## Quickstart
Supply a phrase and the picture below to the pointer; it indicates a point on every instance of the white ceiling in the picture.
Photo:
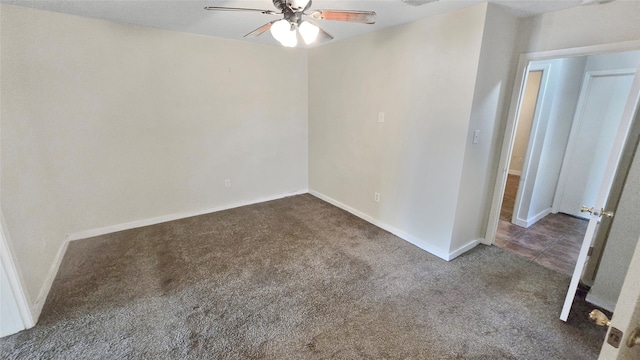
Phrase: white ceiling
(189, 16)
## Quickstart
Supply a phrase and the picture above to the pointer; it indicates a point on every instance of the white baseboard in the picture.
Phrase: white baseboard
(515, 172)
(36, 307)
(464, 248)
(397, 232)
(165, 218)
(534, 219)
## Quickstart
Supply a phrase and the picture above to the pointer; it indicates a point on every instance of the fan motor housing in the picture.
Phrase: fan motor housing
(293, 15)
(285, 5)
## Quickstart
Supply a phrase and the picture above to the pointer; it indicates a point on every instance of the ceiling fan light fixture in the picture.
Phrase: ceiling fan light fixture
(309, 32)
(285, 33)
(286, 30)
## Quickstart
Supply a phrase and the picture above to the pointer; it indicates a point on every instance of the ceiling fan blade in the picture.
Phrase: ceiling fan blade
(322, 35)
(417, 2)
(365, 17)
(261, 30)
(221, 8)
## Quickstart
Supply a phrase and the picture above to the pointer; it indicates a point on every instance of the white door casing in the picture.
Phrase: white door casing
(15, 314)
(10, 319)
(534, 145)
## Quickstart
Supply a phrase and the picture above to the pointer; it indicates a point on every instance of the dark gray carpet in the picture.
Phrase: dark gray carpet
(297, 278)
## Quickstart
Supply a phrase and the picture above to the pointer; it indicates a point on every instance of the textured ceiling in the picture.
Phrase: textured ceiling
(189, 16)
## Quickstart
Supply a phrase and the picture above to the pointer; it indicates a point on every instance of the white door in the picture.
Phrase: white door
(598, 114)
(627, 315)
(613, 156)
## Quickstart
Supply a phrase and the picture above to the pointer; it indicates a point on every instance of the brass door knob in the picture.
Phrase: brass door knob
(583, 208)
(606, 213)
(599, 318)
(596, 212)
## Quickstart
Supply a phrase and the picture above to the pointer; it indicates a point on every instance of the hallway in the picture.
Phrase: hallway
(553, 242)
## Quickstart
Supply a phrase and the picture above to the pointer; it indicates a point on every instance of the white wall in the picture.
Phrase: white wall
(105, 124)
(494, 80)
(523, 130)
(581, 26)
(422, 75)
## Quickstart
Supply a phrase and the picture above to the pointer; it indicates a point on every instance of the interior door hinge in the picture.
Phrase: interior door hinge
(590, 251)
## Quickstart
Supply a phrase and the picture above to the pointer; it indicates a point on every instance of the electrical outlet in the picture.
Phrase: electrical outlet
(381, 117)
(376, 197)
(227, 183)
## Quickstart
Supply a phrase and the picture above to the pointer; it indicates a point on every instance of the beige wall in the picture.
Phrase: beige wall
(494, 80)
(105, 124)
(581, 26)
(422, 75)
(527, 110)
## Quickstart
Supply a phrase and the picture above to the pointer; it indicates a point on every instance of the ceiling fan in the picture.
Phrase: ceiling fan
(285, 30)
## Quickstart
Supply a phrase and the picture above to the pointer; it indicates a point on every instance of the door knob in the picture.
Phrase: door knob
(583, 208)
(599, 318)
(606, 213)
(634, 338)
(594, 211)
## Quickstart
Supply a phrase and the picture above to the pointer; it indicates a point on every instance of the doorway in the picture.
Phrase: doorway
(561, 104)
(570, 110)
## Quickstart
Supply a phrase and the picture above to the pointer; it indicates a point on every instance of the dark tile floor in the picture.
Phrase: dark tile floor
(553, 242)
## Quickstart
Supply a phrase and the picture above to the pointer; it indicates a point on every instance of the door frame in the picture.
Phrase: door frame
(627, 313)
(587, 81)
(8, 264)
(534, 134)
(514, 111)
